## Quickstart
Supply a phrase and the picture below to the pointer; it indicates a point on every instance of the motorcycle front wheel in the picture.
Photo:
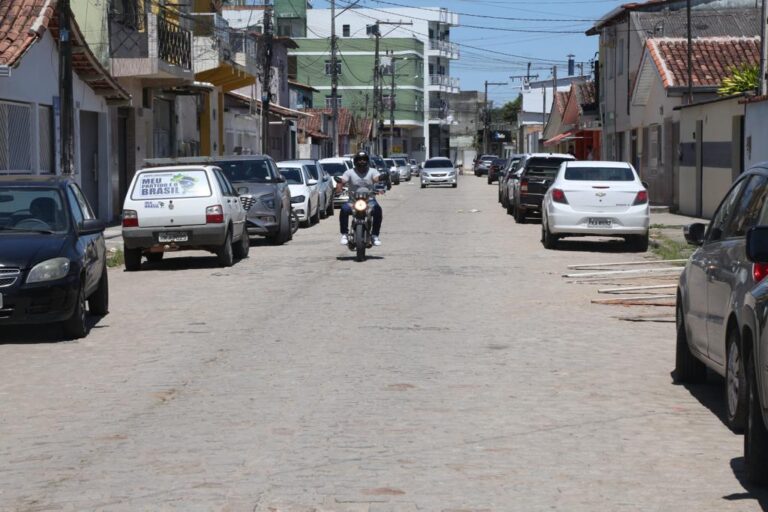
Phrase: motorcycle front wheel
(360, 242)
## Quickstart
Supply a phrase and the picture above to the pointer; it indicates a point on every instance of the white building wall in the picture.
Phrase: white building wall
(755, 133)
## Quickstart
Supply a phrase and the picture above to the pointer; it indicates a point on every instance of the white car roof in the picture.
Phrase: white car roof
(286, 165)
(177, 168)
(335, 160)
(552, 155)
(598, 163)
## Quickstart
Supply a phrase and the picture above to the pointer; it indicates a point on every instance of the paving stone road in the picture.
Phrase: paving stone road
(453, 371)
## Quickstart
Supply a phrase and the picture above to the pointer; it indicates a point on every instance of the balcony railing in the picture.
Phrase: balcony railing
(174, 43)
(444, 82)
(447, 48)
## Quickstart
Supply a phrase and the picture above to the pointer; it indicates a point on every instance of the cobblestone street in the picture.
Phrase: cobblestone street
(455, 370)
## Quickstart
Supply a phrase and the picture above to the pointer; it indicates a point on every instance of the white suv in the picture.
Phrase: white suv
(183, 208)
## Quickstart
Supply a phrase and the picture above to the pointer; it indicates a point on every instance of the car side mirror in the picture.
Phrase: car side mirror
(325, 178)
(280, 179)
(312, 183)
(694, 233)
(757, 244)
(242, 190)
(644, 184)
(91, 227)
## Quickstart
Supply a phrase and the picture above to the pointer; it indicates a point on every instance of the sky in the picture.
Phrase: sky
(499, 37)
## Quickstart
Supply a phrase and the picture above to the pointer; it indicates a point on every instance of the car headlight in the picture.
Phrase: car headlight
(298, 199)
(361, 205)
(49, 270)
(268, 200)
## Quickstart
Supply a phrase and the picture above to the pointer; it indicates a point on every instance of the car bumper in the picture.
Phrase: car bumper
(340, 200)
(437, 180)
(301, 210)
(198, 236)
(262, 223)
(39, 304)
(562, 219)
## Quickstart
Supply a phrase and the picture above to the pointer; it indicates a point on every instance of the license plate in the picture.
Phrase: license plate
(172, 237)
(599, 223)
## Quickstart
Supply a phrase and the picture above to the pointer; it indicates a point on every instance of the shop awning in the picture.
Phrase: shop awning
(558, 138)
(228, 76)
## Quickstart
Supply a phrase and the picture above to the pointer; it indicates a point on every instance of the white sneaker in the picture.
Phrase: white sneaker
(376, 241)
(344, 240)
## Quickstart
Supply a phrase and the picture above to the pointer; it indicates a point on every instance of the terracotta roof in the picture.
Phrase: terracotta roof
(23, 22)
(345, 118)
(312, 125)
(713, 58)
(561, 100)
(585, 93)
(365, 127)
(300, 85)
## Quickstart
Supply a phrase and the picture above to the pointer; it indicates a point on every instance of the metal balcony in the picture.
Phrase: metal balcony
(444, 83)
(444, 49)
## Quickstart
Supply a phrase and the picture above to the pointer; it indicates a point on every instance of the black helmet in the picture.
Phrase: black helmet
(361, 156)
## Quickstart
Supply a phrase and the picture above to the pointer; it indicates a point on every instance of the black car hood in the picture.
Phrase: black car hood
(26, 250)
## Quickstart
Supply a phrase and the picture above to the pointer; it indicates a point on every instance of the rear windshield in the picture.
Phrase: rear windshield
(437, 164)
(500, 161)
(599, 174)
(171, 185)
(488, 157)
(544, 167)
(335, 169)
(292, 175)
(389, 162)
(378, 161)
(246, 170)
(401, 161)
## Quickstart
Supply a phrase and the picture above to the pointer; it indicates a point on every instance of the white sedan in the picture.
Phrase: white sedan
(305, 195)
(596, 198)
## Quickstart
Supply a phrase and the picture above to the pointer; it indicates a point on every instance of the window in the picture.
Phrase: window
(720, 221)
(82, 202)
(388, 101)
(749, 209)
(15, 134)
(329, 68)
(74, 207)
(345, 30)
(620, 57)
(329, 101)
(654, 146)
(171, 185)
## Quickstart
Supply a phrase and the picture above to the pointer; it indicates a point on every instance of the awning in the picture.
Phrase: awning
(558, 138)
(228, 76)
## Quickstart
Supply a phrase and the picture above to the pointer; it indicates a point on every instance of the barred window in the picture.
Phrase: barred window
(15, 137)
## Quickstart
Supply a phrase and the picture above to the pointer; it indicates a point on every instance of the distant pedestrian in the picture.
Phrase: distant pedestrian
(590, 156)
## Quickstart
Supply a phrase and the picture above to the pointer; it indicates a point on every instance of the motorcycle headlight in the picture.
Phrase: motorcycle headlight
(49, 270)
(361, 205)
(298, 199)
(268, 200)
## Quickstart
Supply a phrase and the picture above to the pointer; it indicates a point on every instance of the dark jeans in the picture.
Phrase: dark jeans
(346, 211)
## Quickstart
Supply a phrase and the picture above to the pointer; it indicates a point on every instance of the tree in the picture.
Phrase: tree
(742, 79)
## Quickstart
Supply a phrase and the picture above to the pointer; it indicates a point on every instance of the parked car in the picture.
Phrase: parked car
(53, 256)
(326, 186)
(506, 173)
(438, 171)
(596, 198)
(270, 212)
(415, 168)
(384, 176)
(483, 163)
(394, 170)
(305, 195)
(717, 292)
(494, 170)
(186, 207)
(336, 167)
(537, 174)
(404, 168)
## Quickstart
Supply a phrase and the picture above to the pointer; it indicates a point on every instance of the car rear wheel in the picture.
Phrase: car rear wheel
(243, 246)
(638, 243)
(155, 257)
(755, 435)
(688, 369)
(547, 238)
(519, 214)
(735, 384)
(98, 302)
(454, 185)
(423, 186)
(132, 259)
(75, 326)
(224, 253)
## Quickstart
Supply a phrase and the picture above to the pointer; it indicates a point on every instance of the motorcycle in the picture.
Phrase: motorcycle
(360, 236)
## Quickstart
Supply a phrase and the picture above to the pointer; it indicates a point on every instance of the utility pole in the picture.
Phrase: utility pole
(376, 89)
(334, 83)
(764, 53)
(690, 50)
(65, 89)
(392, 108)
(487, 118)
(266, 71)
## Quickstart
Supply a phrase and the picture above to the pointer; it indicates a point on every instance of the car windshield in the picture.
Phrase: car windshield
(500, 162)
(599, 174)
(313, 171)
(246, 170)
(171, 184)
(334, 169)
(488, 158)
(378, 161)
(32, 209)
(389, 162)
(292, 175)
(437, 164)
(400, 161)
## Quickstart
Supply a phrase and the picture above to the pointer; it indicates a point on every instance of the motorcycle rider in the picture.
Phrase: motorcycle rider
(362, 176)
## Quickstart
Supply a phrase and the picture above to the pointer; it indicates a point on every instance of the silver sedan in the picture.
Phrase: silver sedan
(438, 171)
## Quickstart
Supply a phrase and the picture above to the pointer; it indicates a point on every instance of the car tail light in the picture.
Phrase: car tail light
(214, 214)
(759, 271)
(524, 185)
(641, 198)
(558, 196)
(130, 219)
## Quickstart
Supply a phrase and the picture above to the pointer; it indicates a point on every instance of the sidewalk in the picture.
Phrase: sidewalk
(113, 236)
(670, 225)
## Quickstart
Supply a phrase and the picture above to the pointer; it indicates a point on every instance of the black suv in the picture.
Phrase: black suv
(536, 176)
(52, 254)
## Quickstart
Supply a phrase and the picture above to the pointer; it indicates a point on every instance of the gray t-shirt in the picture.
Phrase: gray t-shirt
(354, 180)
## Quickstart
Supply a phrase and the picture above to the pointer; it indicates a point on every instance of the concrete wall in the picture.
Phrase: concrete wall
(706, 167)
(755, 133)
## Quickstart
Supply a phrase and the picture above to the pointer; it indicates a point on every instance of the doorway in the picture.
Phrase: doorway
(89, 157)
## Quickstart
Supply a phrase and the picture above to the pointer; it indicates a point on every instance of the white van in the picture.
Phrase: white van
(183, 208)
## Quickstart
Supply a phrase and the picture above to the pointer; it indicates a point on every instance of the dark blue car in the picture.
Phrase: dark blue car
(52, 254)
